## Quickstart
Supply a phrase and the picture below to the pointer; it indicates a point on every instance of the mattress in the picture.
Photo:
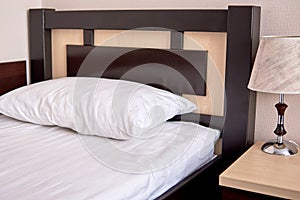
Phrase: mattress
(50, 162)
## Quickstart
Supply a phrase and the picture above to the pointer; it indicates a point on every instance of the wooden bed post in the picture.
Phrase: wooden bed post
(40, 46)
(241, 50)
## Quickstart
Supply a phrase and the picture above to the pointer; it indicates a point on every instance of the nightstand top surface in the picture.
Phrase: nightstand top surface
(257, 171)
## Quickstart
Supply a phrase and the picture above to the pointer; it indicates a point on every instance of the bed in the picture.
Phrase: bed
(176, 156)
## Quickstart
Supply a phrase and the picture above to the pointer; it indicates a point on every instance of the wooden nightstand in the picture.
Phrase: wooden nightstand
(257, 174)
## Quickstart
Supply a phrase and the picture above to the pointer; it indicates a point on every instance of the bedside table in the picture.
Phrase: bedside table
(262, 176)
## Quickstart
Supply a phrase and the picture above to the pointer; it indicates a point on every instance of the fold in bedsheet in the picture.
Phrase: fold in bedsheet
(49, 162)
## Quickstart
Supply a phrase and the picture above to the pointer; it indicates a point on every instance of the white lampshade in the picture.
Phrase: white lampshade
(277, 65)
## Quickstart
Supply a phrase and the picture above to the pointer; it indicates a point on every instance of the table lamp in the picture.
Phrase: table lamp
(277, 70)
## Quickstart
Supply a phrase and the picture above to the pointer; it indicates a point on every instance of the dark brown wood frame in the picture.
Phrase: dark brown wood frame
(13, 75)
(242, 24)
(176, 70)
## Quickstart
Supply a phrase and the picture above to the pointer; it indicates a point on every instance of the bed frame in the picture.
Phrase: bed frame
(13, 75)
(242, 25)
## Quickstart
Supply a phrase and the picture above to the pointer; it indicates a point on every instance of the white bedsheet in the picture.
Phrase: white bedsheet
(43, 163)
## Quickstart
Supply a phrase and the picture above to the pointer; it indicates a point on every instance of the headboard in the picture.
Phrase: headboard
(177, 70)
(13, 75)
(241, 23)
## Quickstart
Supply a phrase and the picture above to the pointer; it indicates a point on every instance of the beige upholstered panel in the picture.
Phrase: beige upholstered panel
(60, 38)
(214, 43)
(133, 38)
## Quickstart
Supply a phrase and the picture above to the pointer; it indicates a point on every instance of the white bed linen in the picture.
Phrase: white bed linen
(45, 162)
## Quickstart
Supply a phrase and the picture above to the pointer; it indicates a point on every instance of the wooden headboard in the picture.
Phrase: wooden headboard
(13, 75)
(241, 23)
(176, 70)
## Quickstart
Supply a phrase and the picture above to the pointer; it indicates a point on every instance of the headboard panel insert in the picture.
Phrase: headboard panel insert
(181, 71)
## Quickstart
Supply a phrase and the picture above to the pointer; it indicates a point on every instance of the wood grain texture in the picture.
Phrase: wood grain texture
(12, 76)
(256, 171)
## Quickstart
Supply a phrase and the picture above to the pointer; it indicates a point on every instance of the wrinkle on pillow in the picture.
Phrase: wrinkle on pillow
(94, 106)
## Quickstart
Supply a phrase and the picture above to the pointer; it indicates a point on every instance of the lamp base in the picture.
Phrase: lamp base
(288, 148)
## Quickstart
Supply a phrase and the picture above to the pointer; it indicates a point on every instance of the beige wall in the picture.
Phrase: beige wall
(278, 18)
(13, 34)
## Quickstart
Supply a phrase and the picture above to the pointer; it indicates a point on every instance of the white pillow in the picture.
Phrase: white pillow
(94, 106)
